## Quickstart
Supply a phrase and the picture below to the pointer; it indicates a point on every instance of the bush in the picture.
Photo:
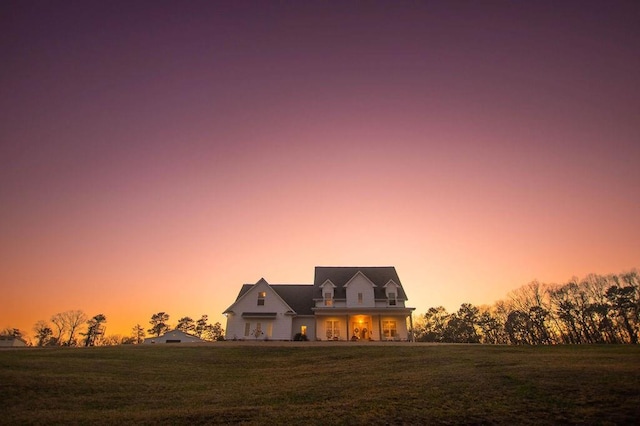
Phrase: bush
(299, 337)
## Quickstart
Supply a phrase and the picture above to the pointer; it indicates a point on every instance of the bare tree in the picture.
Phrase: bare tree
(73, 320)
(60, 327)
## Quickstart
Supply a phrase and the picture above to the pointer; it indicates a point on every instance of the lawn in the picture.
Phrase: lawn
(309, 383)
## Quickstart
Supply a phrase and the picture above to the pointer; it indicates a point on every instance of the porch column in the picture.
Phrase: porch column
(380, 326)
(348, 337)
(413, 338)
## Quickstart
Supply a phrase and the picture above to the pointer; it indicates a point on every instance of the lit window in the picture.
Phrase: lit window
(392, 299)
(261, 296)
(328, 299)
(303, 330)
(389, 329)
(359, 298)
(333, 332)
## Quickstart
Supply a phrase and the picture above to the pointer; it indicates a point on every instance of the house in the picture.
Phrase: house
(9, 340)
(343, 303)
(174, 336)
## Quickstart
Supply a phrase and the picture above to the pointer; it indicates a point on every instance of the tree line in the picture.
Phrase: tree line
(200, 328)
(75, 328)
(595, 309)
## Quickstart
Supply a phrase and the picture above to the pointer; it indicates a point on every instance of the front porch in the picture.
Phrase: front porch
(363, 326)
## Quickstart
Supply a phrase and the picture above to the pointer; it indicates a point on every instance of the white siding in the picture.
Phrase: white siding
(278, 328)
(308, 321)
(360, 284)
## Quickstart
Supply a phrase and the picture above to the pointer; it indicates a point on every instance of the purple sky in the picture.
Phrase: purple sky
(156, 155)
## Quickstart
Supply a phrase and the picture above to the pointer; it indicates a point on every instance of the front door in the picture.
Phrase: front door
(361, 330)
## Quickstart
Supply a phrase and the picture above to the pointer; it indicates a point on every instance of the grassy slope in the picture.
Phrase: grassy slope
(409, 384)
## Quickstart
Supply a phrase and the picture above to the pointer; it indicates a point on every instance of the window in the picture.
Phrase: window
(333, 332)
(247, 328)
(389, 329)
(328, 299)
(392, 299)
(303, 330)
(261, 296)
(359, 298)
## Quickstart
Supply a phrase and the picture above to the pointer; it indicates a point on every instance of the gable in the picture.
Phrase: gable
(292, 298)
(340, 275)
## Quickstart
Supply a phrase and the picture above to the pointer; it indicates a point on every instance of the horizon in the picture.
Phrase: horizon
(156, 156)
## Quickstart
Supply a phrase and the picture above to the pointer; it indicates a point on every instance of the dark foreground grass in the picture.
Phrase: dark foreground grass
(321, 384)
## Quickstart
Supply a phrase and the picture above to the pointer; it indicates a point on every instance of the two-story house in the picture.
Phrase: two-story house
(343, 303)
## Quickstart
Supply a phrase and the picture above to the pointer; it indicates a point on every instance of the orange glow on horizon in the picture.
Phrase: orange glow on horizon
(158, 162)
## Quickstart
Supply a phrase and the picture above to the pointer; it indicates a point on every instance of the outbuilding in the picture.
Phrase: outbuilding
(8, 340)
(174, 336)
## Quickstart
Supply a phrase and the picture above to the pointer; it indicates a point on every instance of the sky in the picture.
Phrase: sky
(155, 156)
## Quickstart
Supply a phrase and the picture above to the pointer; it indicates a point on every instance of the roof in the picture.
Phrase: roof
(298, 296)
(173, 334)
(340, 275)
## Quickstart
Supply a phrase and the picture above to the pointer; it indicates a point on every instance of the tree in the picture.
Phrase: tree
(201, 325)
(72, 321)
(60, 328)
(113, 340)
(10, 331)
(159, 324)
(94, 329)
(138, 334)
(43, 333)
(215, 332)
(462, 326)
(537, 319)
(186, 324)
(434, 323)
(517, 327)
(625, 304)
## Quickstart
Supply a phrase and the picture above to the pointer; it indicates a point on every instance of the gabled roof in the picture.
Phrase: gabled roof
(173, 334)
(299, 297)
(340, 275)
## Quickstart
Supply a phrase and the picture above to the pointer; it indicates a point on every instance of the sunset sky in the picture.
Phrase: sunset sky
(155, 156)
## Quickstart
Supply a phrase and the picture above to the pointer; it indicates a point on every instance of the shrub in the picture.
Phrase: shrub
(299, 337)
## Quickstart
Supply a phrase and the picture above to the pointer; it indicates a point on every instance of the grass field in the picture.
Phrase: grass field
(307, 383)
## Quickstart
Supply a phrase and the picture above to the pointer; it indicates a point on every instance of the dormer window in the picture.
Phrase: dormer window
(359, 298)
(392, 299)
(261, 296)
(328, 299)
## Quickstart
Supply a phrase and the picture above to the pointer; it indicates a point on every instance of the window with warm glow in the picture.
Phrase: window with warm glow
(303, 330)
(389, 329)
(328, 299)
(261, 296)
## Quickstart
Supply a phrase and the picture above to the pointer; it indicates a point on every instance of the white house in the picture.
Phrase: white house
(343, 303)
(174, 336)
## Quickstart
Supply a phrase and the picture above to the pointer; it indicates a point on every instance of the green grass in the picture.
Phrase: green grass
(321, 384)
